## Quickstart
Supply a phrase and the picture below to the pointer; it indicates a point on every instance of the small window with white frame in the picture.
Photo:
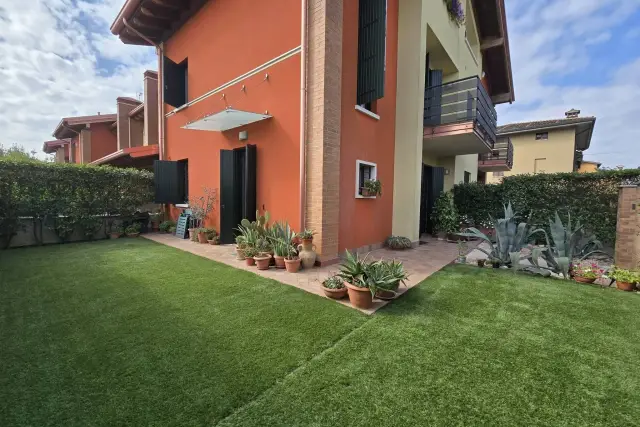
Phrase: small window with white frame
(542, 135)
(365, 171)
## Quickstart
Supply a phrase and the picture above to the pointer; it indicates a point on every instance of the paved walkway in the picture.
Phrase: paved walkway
(419, 263)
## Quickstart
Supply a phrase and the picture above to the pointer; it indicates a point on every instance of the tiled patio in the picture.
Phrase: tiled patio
(419, 263)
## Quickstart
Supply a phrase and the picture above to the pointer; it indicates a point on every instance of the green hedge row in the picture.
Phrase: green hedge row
(592, 198)
(64, 196)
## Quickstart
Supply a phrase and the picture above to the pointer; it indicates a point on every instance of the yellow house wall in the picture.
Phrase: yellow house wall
(557, 152)
(415, 17)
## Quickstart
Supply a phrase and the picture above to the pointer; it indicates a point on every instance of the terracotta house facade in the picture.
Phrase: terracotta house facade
(289, 106)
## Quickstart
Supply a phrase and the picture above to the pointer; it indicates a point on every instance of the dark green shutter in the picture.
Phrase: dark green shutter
(175, 82)
(371, 50)
(169, 182)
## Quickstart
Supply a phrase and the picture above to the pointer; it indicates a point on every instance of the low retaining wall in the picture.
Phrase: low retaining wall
(26, 236)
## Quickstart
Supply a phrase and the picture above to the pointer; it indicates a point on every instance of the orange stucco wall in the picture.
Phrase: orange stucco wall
(103, 141)
(366, 221)
(224, 40)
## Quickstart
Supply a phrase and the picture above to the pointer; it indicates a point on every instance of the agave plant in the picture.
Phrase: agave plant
(353, 269)
(511, 237)
(568, 243)
(280, 230)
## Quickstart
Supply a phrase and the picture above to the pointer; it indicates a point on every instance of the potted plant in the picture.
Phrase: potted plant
(586, 272)
(292, 261)
(281, 250)
(334, 288)
(393, 274)
(625, 279)
(371, 188)
(133, 230)
(165, 226)
(202, 235)
(445, 216)
(214, 240)
(307, 250)
(249, 253)
(398, 243)
(263, 259)
(462, 252)
(155, 219)
(241, 245)
(353, 272)
(116, 232)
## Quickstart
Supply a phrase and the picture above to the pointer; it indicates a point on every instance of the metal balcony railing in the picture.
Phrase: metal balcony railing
(461, 101)
(502, 154)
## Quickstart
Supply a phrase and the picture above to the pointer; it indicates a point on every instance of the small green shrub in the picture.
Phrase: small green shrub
(133, 228)
(165, 226)
(445, 215)
(398, 242)
(622, 275)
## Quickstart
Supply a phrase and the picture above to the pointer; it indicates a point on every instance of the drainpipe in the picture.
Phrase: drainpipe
(303, 114)
(160, 53)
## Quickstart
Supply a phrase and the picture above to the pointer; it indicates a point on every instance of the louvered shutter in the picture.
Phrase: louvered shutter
(169, 182)
(174, 80)
(371, 50)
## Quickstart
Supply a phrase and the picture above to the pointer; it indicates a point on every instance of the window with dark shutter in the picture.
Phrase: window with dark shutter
(175, 82)
(171, 181)
(372, 23)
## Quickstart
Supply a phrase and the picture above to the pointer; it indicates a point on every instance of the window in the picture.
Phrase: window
(467, 177)
(175, 78)
(171, 181)
(498, 174)
(372, 23)
(365, 171)
(542, 135)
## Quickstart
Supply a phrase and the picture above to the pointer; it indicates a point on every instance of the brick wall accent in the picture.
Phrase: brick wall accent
(628, 228)
(85, 146)
(324, 85)
(150, 108)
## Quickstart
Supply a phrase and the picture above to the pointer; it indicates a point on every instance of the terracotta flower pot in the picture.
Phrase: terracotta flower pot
(239, 254)
(250, 261)
(202, 238)
(262, 261)
(584, 279)
(359, 297)
(335, 293)
(279, 261)
(133, 234)
(624, 286)
(292, 265)
(191, 231)
(115, 235)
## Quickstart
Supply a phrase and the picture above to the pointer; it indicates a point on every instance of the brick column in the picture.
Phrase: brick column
(324, 86)
(150, 108)
(628, 228)
(85, 146)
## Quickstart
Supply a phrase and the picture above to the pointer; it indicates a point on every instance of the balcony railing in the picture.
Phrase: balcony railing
(501, 158)
(461, 101)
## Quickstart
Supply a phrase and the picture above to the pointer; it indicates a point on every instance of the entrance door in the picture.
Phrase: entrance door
(432, 186)
(237, 189)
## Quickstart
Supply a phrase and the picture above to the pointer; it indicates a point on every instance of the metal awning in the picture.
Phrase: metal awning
(226, 120)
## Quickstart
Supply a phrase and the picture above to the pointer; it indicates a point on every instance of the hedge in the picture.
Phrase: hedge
(63, 196)
(590, 197)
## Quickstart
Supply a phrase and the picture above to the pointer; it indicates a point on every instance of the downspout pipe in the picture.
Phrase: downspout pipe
(160, 53)
(303, 114)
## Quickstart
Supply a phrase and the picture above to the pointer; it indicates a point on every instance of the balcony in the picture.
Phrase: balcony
(459, 118)
(498, 160)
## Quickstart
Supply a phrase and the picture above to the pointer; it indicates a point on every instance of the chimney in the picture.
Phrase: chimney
(150, 99)
(124, 106)
(572, 114)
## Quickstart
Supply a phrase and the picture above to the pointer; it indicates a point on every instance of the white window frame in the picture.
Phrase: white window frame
(374, 175)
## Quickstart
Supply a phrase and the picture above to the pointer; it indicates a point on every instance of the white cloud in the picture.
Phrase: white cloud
(53, 65)
(552, 39)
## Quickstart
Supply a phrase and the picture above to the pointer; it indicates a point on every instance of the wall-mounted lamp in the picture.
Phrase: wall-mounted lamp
(243, 135)
(446, 171)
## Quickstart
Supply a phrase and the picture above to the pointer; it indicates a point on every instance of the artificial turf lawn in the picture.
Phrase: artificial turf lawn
(131, 332)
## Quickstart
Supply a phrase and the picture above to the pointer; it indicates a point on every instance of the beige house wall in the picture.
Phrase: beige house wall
(417, 19)
(552, 155)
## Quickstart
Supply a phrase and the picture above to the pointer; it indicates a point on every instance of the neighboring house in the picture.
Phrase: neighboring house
(290, 106)
(59, 148)
(546, 146)
(127, 138)
(589, 167)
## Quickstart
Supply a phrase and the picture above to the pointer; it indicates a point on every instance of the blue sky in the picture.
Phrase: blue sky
(61, 60)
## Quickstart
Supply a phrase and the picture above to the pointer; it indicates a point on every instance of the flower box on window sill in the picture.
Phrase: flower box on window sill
(366, 194)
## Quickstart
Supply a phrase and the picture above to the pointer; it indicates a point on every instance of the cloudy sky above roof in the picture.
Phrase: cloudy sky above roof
(61, 60)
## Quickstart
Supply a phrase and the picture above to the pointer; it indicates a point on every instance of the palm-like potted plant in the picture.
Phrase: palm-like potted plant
(626, 280)
(333, 287)
(371, 188)
(133, 230)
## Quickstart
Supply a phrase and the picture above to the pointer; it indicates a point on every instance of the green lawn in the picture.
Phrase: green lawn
(135, 333)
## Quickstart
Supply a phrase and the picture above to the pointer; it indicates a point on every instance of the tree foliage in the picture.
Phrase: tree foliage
(591, 198)
(64, 196)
